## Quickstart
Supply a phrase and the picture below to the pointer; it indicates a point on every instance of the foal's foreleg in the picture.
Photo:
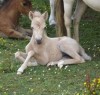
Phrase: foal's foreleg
(79, 11)
(21, 56)
(52, 16)
(68, 4)
(25, 64)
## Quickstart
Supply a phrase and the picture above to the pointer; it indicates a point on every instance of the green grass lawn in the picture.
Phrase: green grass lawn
(42, 80)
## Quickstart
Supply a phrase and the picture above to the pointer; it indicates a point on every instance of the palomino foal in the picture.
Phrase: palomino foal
(49, 51)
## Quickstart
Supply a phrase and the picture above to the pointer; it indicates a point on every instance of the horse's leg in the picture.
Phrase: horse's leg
(25, 64)
(52, 17)
(68, 4)
(11, 33)
(3, 35)
(80, 9)
(27, 32)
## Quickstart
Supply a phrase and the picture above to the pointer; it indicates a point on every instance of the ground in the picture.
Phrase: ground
(42, 80)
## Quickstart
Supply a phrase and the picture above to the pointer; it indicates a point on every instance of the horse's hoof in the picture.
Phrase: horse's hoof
(52, 22)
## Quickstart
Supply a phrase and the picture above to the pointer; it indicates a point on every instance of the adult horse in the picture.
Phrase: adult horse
(9, 17)
(80, 9)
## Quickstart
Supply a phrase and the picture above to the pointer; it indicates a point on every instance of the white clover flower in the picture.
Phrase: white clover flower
(30, 78)
(59, 85)
(55, 72)
(69, 70)
(66, 67)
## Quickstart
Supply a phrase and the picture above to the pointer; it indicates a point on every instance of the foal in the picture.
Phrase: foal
(49, 51)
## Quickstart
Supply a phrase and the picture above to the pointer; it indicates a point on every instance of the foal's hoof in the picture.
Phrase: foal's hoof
(17, 54)
(89, 58)
(60, 64)
(50, 64)
(19, 73)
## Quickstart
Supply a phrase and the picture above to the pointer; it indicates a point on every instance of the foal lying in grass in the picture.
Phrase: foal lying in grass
(49, 51)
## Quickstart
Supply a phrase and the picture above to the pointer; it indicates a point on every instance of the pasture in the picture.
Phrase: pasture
(42, 80)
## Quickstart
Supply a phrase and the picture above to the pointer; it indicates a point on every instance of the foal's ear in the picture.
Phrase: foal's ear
(45, 15)
(31, 15)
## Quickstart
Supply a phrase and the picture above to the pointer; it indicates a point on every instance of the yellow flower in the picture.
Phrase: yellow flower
(94, 93)
(92, 84)
(84, 83)
(94, 80)
(77, 94)
(98, 80)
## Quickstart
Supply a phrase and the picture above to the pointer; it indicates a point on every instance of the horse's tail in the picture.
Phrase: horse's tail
(83, 54)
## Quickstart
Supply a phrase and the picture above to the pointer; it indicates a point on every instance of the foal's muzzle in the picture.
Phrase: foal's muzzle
(39, 41)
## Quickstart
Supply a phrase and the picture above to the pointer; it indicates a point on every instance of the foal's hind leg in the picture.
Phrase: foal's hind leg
(75, 57)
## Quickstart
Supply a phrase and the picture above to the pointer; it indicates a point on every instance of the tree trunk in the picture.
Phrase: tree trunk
(60, 26)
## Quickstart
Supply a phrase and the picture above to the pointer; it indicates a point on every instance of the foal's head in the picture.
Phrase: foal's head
(24, 6)
(38, 24)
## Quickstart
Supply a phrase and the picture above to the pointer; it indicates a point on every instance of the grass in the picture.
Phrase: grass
(42, 80)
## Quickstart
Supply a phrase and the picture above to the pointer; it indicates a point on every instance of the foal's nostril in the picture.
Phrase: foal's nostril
(39, 41)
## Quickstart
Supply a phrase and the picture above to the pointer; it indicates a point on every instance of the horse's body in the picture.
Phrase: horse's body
(94, 4)
(80, 9)
(9, 17)
(49, 51)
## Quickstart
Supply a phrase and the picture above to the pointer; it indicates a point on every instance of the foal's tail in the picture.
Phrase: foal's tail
(83, 54)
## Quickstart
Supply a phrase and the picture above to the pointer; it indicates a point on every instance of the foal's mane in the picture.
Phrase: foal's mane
(37, 13)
